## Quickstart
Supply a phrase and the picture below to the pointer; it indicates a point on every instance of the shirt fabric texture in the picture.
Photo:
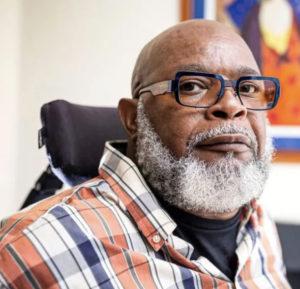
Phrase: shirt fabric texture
(111, 233)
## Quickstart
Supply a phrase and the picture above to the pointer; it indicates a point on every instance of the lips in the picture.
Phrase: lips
(226, 143)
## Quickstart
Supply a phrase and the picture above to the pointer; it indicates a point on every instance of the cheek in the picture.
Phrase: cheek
(258, 122)
(173, 123)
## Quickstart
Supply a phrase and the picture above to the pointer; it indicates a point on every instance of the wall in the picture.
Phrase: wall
(282, 192)
(9, 101)
(67, 49)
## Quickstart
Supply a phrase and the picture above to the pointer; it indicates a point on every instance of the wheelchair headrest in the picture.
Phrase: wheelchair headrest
(74, 136)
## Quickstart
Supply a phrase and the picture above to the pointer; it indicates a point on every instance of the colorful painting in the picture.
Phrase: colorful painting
(272, 30)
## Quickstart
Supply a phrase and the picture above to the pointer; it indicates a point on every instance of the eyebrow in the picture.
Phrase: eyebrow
(241, 71)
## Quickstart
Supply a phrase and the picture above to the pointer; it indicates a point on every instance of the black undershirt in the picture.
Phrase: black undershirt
(213, 239)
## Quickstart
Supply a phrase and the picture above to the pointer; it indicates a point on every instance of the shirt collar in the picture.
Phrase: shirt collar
(126, 181)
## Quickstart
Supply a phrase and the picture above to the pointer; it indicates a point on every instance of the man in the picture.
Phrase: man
(175, 207)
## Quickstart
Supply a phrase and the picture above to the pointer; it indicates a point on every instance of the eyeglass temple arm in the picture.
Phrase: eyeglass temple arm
(158, 88)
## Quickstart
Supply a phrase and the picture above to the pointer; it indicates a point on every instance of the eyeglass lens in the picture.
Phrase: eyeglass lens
(203, 91)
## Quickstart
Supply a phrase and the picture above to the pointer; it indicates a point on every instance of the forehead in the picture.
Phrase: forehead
(224, 54)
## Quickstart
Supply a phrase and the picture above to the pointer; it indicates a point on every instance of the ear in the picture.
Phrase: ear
(128, 111)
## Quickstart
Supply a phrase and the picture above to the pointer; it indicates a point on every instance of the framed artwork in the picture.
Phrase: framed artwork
(271, 28)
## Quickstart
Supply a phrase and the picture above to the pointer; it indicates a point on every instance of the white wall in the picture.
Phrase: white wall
(9, 100)
(82, 51)
(282, 192)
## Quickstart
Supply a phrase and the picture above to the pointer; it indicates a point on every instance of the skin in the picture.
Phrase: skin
(197, 45)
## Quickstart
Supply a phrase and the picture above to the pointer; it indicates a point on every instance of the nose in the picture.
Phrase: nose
(229, 107)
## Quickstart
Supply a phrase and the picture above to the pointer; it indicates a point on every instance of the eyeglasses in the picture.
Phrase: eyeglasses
(202, 90)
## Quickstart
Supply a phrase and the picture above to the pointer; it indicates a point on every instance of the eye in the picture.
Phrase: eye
(192, 87)
(248, 88)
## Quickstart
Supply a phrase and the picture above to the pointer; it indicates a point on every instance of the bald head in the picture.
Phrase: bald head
(185, 44)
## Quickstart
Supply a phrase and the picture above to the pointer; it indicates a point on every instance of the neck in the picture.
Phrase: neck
(131, 151)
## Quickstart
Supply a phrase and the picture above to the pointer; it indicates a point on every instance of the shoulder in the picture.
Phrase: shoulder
(13, 226)
(54, 235)
(41, 215)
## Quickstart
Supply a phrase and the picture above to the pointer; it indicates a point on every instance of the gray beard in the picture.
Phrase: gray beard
(197, 186)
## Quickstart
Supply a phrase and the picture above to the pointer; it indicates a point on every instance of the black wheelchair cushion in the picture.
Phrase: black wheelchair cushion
(74, 136)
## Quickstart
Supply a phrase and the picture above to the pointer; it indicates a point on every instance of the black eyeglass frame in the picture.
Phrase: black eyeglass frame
(166, 86)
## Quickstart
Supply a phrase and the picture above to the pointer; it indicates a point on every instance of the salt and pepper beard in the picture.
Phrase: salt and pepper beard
(197, 186)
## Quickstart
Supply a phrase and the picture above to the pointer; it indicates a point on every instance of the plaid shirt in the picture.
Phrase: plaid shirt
(112, 233)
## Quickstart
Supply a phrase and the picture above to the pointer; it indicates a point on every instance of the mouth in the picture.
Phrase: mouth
(236, 143)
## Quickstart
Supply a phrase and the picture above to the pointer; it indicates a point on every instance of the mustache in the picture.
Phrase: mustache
(199, 138)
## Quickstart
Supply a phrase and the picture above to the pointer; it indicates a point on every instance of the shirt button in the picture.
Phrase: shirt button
(156, 239)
